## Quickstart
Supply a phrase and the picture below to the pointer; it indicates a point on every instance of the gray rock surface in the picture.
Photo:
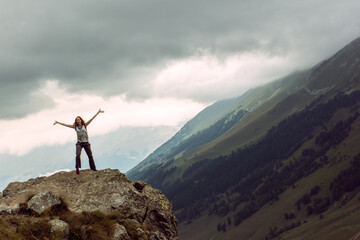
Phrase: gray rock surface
(106, 191)
(43, 201)
(120, 233)
(59, 229)
(9, 209)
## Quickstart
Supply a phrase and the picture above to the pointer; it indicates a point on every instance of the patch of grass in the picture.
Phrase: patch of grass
(34, 230)
(92, 217)
(58, 210)
(93, 232)
(89, 225)
(116, 216)
(341, 233)
(6, 232)
(135, 230)
(26, 211)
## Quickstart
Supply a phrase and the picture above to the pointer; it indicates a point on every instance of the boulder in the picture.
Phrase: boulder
(59, 229)
(43, 201)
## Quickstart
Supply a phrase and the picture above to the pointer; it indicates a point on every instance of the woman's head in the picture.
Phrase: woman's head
(79, 121)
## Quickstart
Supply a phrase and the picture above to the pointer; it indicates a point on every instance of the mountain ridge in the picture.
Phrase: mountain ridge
(202, 121)
(249, 101)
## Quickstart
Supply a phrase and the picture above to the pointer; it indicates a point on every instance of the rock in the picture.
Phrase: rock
(10, 187)
(59, 229)
(141, 233)
(9, 209)
(43, 201)
(107, 191)
(120, 233)
(157, 236)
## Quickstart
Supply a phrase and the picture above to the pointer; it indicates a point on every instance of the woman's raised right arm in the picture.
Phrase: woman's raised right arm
(64, 124)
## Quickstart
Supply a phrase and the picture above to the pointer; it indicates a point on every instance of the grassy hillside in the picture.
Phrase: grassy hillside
(340, 219)
(218, 111)
(318, 141)
(245, 130)
(275, 101)
(222, 111)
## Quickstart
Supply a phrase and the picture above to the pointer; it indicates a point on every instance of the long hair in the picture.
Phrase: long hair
(82, 122)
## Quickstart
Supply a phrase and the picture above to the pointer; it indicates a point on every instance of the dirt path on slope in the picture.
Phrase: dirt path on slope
(355, 237)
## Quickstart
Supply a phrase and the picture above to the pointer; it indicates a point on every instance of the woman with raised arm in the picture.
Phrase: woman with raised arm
(82, 140)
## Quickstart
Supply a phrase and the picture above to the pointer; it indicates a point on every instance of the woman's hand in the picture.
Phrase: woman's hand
(56, 122)
(100, 111)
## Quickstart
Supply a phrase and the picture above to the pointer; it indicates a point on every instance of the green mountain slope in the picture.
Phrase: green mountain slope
(338, 73)
(288, 169)
(224, 112)
(202, 122)
(330, 213)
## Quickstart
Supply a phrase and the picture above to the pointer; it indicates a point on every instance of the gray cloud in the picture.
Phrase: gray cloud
(112, 47)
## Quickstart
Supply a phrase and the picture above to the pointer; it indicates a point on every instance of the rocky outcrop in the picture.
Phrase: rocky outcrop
(139, 208)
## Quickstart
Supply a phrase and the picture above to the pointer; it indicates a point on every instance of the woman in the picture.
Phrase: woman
(82, 139)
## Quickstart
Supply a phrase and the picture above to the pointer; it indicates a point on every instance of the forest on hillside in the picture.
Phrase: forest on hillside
(184, 146)
(257, 174)
(196, 140)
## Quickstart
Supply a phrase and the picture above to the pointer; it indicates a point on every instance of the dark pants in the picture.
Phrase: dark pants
(87, 148)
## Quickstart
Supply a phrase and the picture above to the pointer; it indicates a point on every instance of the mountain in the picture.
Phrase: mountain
(287, 169)
(217, 112)
(213, 121)
(92, 205)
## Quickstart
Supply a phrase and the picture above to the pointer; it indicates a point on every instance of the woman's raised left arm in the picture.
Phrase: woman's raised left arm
(88, 122)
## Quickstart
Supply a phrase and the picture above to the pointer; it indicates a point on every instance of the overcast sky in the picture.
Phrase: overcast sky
(149, 63)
